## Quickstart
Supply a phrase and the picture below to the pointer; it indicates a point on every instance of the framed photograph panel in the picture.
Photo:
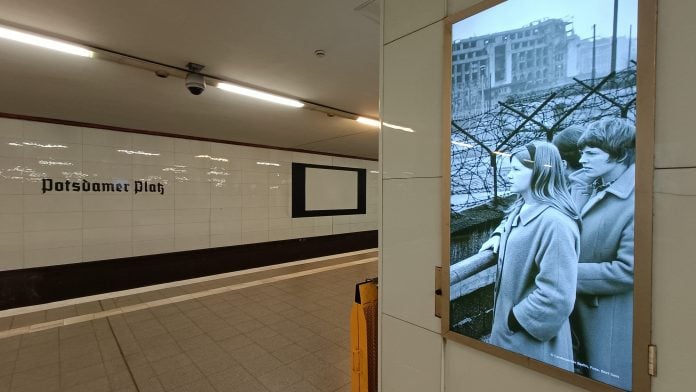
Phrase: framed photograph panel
(320, 190)
(549, 147)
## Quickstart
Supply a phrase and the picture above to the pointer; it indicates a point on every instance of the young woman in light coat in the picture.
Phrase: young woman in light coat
(537, 245)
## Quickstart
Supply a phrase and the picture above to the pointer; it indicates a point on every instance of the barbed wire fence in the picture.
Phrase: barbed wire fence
(481, 141)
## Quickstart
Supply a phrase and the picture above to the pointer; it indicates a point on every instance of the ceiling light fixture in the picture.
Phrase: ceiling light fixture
(368, 121)
(376, 123)
(234, 88)
(398, 127)
(47, 43)
(163, 70)
(130, 152)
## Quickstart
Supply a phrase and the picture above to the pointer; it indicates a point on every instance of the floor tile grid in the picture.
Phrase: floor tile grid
(251, 356)
(72, 311)
(94, 300)
(261, 338)
(134, 306)
(79, 357)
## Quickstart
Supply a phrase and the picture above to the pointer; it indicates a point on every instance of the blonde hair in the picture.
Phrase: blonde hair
(549, 185)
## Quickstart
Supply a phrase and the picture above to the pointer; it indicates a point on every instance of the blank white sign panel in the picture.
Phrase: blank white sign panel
(327, 189)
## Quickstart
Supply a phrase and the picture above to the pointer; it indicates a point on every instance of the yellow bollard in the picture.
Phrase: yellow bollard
(363, 337)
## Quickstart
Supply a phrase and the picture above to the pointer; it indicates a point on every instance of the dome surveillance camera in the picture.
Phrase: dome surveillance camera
(195, 83)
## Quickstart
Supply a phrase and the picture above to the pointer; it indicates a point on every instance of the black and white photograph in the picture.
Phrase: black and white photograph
(542, 181)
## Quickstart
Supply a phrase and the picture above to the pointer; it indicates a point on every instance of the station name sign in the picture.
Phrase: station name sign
(50, 185)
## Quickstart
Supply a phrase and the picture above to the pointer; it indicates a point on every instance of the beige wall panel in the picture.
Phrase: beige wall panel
(107, 251)
(674, 307)
(141, 248)
(10, 146)
(106, 235)
(11, 204)
(413, 99)
(11, 128)
(102, 137)
(52, 256)
(11, 258)
(454, 6)
(52, 221)
(402, 17)
(51, 133)
(52, 239)
(11, 223)
(95, 219)
(411, 359)
(674, 127)
(11, 250)
(411, 249)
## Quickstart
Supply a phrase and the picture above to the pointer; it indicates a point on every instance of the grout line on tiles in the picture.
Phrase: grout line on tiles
(675, 167)
(410, 178)
(675, 194)
(123, 355)
(180, 298)
(178, 283)
(413, 32)
(328, 139)
(407, 322)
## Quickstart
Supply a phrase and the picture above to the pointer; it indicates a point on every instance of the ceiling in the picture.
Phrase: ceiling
(269, 44)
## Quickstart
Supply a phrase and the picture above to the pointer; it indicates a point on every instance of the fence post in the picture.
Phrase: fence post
(494, 165)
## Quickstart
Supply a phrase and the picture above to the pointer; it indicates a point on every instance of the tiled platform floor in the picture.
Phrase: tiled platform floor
(285, 335)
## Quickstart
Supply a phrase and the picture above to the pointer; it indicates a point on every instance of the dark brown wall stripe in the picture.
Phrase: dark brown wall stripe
(33, 286)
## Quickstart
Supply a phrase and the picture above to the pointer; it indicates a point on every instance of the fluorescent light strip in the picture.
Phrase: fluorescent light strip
(44, 145)
(376, 123)
(47, 43)
(398, 127)
(213, 158)
(53, 163)
(233, 88)
(368, 121)
(129, 152)
(65, 47)
(171, 169)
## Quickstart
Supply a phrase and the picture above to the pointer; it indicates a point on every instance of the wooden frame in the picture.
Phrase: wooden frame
(645, 120)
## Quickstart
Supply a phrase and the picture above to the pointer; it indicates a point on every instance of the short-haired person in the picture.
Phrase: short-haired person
(567, 143)
(603, 316)
(537, 246)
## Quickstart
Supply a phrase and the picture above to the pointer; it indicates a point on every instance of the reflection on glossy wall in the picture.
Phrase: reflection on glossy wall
(215, 195)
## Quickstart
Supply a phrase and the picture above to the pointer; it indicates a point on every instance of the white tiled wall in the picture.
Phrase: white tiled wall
(216, 195)
(410, 241)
